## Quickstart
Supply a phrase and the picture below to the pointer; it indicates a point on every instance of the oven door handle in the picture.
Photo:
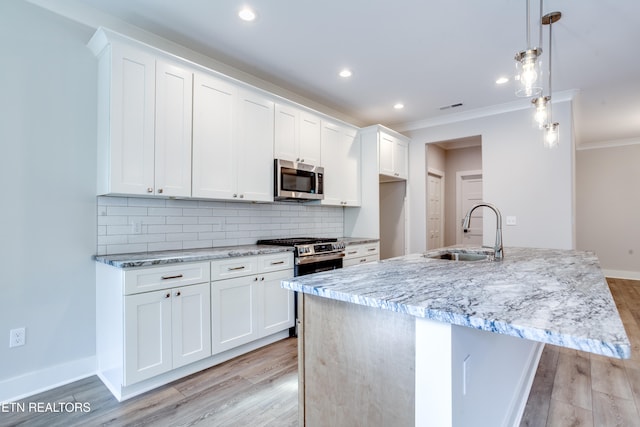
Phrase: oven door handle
(319, 258)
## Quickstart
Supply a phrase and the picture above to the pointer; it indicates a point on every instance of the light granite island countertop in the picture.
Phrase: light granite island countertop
(458, 320)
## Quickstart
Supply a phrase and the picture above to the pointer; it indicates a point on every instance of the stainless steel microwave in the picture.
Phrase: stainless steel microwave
(298, 181)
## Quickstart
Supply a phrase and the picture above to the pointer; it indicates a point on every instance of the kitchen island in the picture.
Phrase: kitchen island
(421, 341)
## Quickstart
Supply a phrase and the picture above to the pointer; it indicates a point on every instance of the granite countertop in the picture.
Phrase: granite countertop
(552, 296)
(146, 259)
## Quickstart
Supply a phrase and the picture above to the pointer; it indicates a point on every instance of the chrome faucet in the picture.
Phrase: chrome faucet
(499, 251)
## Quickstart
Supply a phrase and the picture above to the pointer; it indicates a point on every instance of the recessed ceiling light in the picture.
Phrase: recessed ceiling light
(247, 14)
(399, 106)
(345, 73)
(502, 80)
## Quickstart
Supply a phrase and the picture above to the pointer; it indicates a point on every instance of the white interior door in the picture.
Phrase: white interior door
(469, 189)
(435, 222)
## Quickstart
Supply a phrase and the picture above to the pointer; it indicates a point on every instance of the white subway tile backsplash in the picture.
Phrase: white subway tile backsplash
(168, 224)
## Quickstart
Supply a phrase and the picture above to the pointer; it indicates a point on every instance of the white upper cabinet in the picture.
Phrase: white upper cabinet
(232, 141)
(214, 136)
(255, 147)
(126, 120)
(174, 89)
(394, 156)
(144, 121)
(297, 135)
(341, 158)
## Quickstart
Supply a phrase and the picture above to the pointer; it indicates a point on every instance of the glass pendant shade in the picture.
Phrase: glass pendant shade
(551, 135)
(542, 110)
(528, 73)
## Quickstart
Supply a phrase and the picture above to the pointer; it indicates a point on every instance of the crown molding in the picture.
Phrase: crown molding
(493, 110)
(608, 144)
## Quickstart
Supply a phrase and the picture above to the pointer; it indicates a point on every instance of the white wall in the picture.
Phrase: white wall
(521, 176)
(48, 214)
(607, 206)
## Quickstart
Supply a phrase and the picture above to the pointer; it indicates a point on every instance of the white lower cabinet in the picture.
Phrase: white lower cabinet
(157, 324)
(165, 330)
(253, 305)
(361, 253)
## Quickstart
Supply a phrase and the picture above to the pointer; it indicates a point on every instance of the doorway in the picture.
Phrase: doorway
(445, 160)
(469, 193)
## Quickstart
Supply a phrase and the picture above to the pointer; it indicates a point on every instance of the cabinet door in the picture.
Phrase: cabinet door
(332, 164)
(234, 313)
(255, 147)
(191, 329)
(387, 149)
(287, 133)
(341, 157)
(130, 144)
(174, 89)
(351, 180)
(277, 312)
(309, 146)
(214, 135)
(147, 335)
(401, 159)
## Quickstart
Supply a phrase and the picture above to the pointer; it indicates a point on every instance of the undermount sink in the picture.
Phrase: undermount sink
(453, 255)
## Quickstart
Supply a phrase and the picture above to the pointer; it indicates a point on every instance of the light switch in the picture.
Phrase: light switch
(511, 220)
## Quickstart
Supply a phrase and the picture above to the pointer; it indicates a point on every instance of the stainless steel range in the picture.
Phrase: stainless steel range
(312, 254)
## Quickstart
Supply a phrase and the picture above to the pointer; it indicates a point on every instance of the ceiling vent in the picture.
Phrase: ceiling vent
(446, 107)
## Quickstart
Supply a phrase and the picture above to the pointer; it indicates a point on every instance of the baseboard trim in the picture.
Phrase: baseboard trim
(621, 274)
(23, 386)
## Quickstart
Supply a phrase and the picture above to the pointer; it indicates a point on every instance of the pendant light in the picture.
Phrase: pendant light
(528, 68)
(551, 128)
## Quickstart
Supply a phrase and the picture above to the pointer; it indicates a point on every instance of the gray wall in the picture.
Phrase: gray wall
(608, 203)
(48, 214)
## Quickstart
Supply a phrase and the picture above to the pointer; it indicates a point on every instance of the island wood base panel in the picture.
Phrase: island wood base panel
(360, 365)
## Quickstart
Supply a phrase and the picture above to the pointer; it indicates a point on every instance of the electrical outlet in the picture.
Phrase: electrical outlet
(136, 226)
(17, 337)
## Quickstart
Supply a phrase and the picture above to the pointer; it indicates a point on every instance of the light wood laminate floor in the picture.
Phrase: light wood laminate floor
(256, 389)
(571, 388)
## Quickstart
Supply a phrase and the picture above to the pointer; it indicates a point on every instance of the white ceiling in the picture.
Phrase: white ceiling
(425, 54)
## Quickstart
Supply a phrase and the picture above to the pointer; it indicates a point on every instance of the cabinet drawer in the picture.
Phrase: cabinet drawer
(275, 262)
(360, 260)
(155, 278)
(356, 251)
(234, 267)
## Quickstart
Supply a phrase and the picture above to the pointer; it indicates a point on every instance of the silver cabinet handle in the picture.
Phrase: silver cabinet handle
(302, 160)
(255, 279)
(178, 293)
(168, 295)
(177, 276)
(236, 268)
(159, 190)
(149, 190)
(277, 262)
(352, 252)
(262, 279)
(235, 195)
(363, 260)
(371, 249)
(242, 196)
